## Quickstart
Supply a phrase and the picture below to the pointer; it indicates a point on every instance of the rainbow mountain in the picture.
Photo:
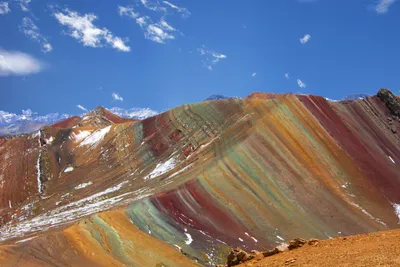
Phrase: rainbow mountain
(185, 186)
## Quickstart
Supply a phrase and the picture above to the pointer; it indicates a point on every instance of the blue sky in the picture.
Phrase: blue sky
(56, 55)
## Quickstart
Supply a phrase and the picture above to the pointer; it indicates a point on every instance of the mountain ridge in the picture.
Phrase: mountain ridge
(203, 178)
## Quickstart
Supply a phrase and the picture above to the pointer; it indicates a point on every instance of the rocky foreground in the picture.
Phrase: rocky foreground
(373, 249)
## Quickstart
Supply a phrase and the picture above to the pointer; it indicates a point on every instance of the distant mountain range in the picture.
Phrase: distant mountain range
(356, 97)
(218, 97)
(28, 121)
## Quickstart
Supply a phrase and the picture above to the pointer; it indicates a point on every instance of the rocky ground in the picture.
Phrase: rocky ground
(373, 249)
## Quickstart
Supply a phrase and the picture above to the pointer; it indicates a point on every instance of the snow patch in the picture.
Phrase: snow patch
(26, 239)
(69, 169)
(368, 214)
(345, 185)
(331, 100)
(50, 140)
(71, 212)
(397, 210)
(80, 136)
(83, 185)
(252, 237)
(180, 171)
(39, 182)
(280, 238)
(95, 137)
(161, 168)
(189, 239)
(241, 240)
(391, 159)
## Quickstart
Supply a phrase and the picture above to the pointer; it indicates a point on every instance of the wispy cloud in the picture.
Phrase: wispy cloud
(287, 76)
(183, 11)
(81, 107)
(127, 11)
(81, 28)
(210, 57)
(24, 5)
(382, 6)
(158, 32)
(18, 63)
(4, 8)
(153, 5)
(305, 39)
(254, 74)
(301, 83)
(29, 28)
(117, 97)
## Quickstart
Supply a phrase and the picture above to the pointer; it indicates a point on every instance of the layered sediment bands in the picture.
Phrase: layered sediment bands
(106, 239)
(205, 177)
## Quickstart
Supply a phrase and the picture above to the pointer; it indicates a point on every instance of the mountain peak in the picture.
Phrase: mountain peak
(100, 116)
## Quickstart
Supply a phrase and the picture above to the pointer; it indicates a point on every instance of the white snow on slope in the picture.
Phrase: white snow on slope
(39, 182)
(26, 239)
(69, 169)
(368, 214)
(96, 136)
(180, 171)
(397, 210)
(83, 185)
(161, 168)
(50, 140)
(391, 159)
(79, 136)
(189, 239)
(71, 212)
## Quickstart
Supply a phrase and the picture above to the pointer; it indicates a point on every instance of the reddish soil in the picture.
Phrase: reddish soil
(373, 249)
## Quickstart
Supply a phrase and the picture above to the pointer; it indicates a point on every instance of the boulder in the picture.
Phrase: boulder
(296, 243)
(238, 256)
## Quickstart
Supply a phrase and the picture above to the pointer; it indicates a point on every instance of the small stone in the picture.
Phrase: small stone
(289, 261)
(271, 252)
(296, 243)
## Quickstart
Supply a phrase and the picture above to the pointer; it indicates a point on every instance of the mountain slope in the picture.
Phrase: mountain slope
(203, 177)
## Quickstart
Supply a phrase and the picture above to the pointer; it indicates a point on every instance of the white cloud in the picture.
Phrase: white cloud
(211, 57)
(4, 9)
(184, 12)
(47, 47)
(301, 84)
(254, 74)
(117, 97)
(305, 39)
(24, 5)
(153, 5)
(18, 63)
(83, 29)
(158, 32)
(383, 6)
(127, 11)
(81, 107)
(287, 76)
(29, 28)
